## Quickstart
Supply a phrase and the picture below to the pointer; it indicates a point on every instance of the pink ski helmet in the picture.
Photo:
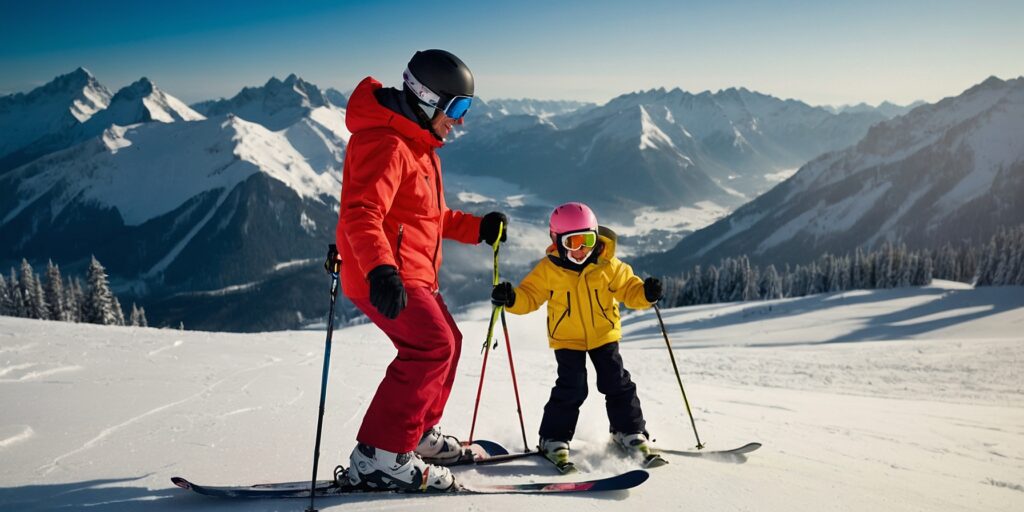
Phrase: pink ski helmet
(571, 217)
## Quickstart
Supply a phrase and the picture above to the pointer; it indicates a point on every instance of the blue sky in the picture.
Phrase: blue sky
(822, 52)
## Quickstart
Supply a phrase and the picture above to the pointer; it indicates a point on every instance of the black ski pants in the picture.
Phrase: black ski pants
(563, 408)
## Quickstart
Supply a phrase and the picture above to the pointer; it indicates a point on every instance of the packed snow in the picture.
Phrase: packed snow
(908, 399)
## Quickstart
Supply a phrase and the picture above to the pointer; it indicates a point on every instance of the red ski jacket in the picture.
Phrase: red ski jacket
(393, 210)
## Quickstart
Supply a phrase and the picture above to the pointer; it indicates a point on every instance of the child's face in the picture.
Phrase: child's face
(584, 242)
(581, 254)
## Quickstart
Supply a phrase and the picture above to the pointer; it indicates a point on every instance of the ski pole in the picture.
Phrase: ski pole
(333, 266)
(672, 355)
(486, 349)
(515, 386)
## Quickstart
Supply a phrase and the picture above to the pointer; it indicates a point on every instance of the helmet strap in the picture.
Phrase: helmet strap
(421, 112)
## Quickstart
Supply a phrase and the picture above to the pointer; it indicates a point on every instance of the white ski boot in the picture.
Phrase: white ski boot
(380, 469)
(437, 448)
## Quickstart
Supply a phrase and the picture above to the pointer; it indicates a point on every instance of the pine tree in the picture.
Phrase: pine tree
(6, 302)
(17, 297)
(771, 284)
(26, 285)
(74, 298)
(118, 310)
(138, 317)
(710, 286)
(98, 307)
(54, 291)
(41, 308)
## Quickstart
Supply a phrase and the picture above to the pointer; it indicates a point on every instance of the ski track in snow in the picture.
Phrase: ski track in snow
(36, 374)
(9, 369)
(46, 469)
(25, 434)
(997, 483)
(176, 344)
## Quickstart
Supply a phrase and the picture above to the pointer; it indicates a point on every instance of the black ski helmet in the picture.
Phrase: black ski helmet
(442, 73)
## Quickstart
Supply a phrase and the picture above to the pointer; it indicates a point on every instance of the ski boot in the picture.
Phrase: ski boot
(638, 445)
(441, 449)
(375, 468)
(558, 453)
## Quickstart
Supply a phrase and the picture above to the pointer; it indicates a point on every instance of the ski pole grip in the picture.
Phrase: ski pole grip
(333, 262)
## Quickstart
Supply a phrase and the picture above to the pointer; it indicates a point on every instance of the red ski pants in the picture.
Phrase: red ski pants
(412, 396)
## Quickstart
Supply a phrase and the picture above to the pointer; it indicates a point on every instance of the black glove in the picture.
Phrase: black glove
(489, 227)
(503, 294)
(652, 289)
(387, 293)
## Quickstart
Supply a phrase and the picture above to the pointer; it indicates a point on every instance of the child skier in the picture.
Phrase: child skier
(582, 282)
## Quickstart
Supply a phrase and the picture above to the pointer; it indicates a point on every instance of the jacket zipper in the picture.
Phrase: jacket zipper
(398, 245)
(593, 320)
(583, 323)
(437, 190)
(605, 315)
(567, 312)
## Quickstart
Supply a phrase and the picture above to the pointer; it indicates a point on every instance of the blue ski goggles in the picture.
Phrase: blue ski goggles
(457, 107)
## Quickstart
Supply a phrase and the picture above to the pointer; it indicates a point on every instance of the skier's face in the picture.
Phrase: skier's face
(581, 253)
(442, 124)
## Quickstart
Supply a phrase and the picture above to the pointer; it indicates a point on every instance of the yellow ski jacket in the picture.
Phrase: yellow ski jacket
(583, 307)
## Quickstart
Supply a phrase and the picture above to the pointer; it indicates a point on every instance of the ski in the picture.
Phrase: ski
(482, 452)
(472, 453)
(742, 450)
(495, 459)
(327, 488)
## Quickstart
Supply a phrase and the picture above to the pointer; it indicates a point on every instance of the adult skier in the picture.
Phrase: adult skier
(392, 219)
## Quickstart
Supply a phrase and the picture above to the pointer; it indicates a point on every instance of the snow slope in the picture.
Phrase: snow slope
(887, 400)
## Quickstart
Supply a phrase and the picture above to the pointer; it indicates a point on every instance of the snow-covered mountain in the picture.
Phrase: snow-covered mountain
(276, 105)
(176, 209)
(140, 102)
(336, 97)
(301, 111)
(945, 172)
(886, 108)
(896, 400)
(50, 110)
(658, 148)
(539, 108)
(226, 203)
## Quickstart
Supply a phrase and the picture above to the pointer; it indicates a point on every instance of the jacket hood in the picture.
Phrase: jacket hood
(364, 112)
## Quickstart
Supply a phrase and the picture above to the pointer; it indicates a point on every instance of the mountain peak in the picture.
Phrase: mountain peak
(80, 73)
(75, 81)
(135, 91)
(276, 105)
(993, 81)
